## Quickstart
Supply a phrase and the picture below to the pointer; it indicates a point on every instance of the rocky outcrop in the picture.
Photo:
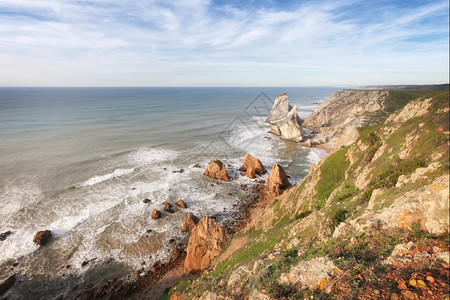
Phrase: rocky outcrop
(336, 119)
(156, 214)
(181, 203)
(277, 180)
(189, 223)
(41, 237)
(252, 166)
(205, 243)
(216, 169)
(285, 120)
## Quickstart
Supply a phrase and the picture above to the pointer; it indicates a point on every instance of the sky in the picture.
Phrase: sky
(223, 43)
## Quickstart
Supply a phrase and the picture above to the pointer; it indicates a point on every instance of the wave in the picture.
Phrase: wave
(146, 156)
(97, 179)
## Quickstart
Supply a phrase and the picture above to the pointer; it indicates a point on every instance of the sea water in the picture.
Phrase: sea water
(80, 162)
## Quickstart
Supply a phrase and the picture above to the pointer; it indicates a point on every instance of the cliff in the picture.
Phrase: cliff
(371, 220)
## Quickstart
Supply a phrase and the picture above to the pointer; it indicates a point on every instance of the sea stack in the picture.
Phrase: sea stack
(251, 166)
(285, 120)
(216, 169)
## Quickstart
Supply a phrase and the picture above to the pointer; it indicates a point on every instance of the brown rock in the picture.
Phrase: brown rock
(5, 285)
(204, 244)
(277, 180)
(177, 296)
(167, 207)
(196, 166)
(146, 200)
(156, 214)
(252, 166)
(216, 169)
(190, 221)
(4, 235)
(181, 204)
(41, 237)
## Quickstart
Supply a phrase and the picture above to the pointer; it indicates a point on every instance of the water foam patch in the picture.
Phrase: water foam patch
(146, 156)
(97, 179)
(316, 154)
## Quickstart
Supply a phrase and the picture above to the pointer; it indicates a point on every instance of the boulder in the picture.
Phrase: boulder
(190, 221)
(205, 243)
(216, 169)
(41, 237)
(181, 203)
(5, 285)
(146, 200)
(285, 120)
(177, 296)
(277, 180)
(252, 166)
(167, 207)
(156, 214)
(4, 235)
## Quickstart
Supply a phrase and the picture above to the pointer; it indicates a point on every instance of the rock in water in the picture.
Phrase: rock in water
(5, 285)
(285, 120)
(180, 203)
(279, 110)
(167, 207)
(190, 221)
(216, 169)
(156, 214)
(4, 235)
(204, 244)
(41, 237)
(277, 180)
(252, 166)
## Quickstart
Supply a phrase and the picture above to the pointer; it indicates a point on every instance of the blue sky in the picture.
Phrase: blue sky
(223, 43)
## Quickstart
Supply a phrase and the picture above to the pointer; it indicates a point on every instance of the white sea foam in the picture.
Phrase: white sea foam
(101, 178)
(315, 155)
(146, 156)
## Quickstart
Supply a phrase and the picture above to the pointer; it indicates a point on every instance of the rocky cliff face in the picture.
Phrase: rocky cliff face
(371, 219)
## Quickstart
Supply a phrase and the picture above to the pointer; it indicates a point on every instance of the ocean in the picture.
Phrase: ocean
(80, 162)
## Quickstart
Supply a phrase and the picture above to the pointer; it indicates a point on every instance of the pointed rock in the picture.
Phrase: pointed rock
(167, 206)
(277, 180)
(41, 237)
(181, 203)
(216, 169)
(285, 120)
(190, 221)
(204, 244)
(252, 166)
(279, 110)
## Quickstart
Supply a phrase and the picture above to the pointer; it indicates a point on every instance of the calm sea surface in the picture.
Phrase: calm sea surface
(79, 161)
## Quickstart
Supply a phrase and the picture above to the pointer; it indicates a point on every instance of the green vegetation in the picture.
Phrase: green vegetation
(332, 173)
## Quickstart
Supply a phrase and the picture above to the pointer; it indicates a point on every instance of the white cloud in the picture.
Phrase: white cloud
(138, 42)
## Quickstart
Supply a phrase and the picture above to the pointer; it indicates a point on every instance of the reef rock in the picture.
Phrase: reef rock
(285, 120)
(190, 221)
(156, 214)
(252, 166)
(216, 169)
(181, 203)
(277, 180)
(41, 237)
(204, 244)
(167, 206)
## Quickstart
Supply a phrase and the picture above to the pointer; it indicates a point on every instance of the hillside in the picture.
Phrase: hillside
(371, 220)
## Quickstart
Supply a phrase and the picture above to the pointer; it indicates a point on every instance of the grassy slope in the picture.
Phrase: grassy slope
(337, 199)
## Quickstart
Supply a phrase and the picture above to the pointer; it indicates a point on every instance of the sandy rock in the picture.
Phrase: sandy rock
(216, 169)
(5, 285)
(156, 214)
(251, 166)
(277, 180)
(168, 207)
(204, 244)
(41, 237)
(181, 203)
(190, 221)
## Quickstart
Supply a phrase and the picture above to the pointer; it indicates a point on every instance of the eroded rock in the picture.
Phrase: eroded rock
(216, 169)
(168, 207)
(190, 221)
(156, 214)
(204, 244)
(251, 166)
(285, 120)
(277, 180)
(181, 203)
